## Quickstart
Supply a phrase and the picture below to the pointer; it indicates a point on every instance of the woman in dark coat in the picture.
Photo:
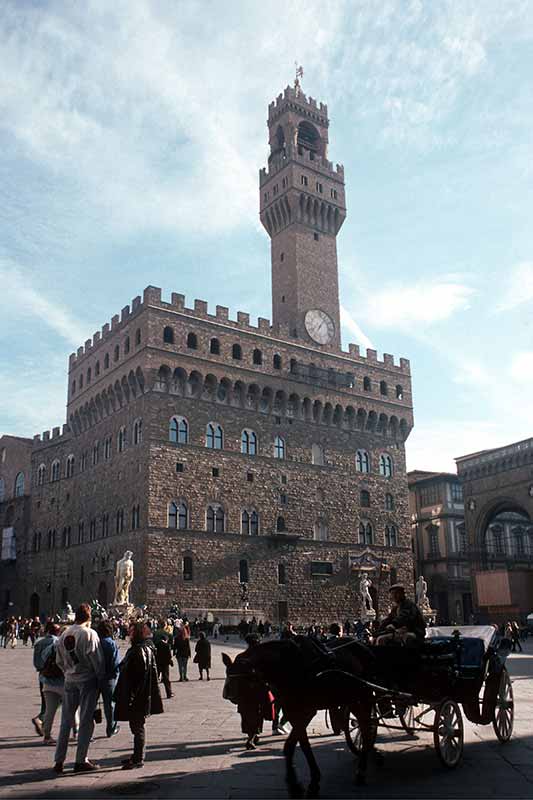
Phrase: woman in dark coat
(137, 692)
(182, 650)
(203, 655)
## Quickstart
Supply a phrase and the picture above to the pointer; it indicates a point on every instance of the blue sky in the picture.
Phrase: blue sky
(131, 135)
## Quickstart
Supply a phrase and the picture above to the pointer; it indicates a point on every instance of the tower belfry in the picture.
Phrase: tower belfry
(302, 207)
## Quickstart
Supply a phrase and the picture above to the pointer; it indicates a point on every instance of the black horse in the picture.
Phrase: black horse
(305, 677)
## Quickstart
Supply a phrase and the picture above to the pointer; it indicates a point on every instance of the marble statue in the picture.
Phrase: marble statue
(364, 586)
(422, 593)
(68, 613)
(123, 579)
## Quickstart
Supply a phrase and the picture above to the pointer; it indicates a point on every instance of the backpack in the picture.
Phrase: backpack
(50, 669)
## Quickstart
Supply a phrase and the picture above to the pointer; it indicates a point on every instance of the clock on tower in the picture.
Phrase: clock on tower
(302, 207)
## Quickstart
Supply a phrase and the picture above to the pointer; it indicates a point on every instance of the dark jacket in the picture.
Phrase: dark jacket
(182, 646)
(111, 658)
(137, 691)
(406, 615)
(163, 654)
(203, 654)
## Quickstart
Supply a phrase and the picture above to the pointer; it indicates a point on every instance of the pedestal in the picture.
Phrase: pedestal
(125, 610)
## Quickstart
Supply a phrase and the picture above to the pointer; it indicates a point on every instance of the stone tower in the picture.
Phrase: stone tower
(302, 207)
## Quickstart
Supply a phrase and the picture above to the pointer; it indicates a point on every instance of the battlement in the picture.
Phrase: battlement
(152, 296)
(56, 435)
(293, 95)
(118, 321)
(305, 159)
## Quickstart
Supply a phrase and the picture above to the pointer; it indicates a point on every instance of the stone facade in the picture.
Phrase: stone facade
(106, 482)
(440, 543)
(498, 490)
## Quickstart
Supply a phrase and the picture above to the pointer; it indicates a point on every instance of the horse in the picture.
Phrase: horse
(305, 678)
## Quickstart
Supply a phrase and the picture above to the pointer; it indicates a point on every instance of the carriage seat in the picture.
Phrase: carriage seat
(467, 652)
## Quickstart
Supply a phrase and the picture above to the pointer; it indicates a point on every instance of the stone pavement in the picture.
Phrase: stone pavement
(195, 750)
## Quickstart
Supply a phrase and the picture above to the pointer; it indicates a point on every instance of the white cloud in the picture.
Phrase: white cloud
(349, 322)
(32, 400)
(417, 305)
(20, 299)
(518, 287)
(521, 368)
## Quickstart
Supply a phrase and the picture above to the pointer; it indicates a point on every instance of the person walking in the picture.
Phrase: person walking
(80, 656)
(202, 656)
(41, 645)
(182, 650)
(53, 684)
(163, 658)
(137, 694)
(109, 678)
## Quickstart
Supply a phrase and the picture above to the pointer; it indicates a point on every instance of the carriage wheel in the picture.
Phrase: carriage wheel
(503, 718)
(407, 720)
(448, 733)
(352, 731)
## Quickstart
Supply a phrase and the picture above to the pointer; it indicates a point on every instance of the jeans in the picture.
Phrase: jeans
(82, 695)
(53, 701)
(182, 667)
(137, 727)
(107, 688)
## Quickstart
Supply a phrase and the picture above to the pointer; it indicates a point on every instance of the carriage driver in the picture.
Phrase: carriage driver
(405, 623)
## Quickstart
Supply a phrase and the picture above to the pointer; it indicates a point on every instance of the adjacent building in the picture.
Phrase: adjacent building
(234, 459)
(498, 490)
(440, 543)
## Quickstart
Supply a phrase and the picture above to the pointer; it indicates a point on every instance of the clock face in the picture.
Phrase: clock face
(319, 326)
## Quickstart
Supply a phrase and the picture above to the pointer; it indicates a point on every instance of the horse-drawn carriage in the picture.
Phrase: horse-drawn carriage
(426, 688)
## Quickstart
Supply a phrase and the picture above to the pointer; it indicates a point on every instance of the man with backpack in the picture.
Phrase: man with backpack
(79, 655)
(41, 645)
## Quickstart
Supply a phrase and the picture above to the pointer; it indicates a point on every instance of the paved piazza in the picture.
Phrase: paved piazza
(195, 750)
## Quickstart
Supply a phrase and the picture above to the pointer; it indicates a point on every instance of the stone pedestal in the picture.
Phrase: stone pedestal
(429, 614)
(124, 610)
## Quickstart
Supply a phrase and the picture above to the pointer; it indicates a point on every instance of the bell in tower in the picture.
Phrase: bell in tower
(302, 207)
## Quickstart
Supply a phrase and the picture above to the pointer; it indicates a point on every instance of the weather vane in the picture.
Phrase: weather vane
(299, 74)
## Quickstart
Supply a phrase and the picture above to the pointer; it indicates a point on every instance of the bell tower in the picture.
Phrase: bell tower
(302, 208)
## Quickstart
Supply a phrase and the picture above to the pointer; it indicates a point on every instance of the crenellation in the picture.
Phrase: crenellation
(46, 436)
(105, 330)
(87, 346)
(178, 300)
(80, 352)
(200, 307)
(136, 304)
(388, 360)
(263, 324)
(96, 338)
(354, 350)
(222, 313)
(56, 432)
(124, 314)
(115, 322)
(243, 319)
(371, 355)
(152, 296)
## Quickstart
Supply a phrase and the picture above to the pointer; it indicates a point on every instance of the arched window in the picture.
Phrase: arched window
(81, 381)
(120, 520)
(257, 357)
(250, 523)
(41, 474)
(137, 431)
(105, 525)
(56, 470)
(391, 536)
(121, 441)
(215, 519)
(106, 361)
(168, 335)
(178, 431)
(365, 498)
(178, 516)
(280, 525)
(214, 347)
(97, 368)
(96, 453)
(294, 366)
(2, 490)
(137, 337)
(366, 534)
(117, 353)
(187, 568)
(51, 539)
(81, 532)
(385, 465)
(127, 345)
(73, 387)
(276, 361)
(249, 443)
(389, 502)
(236, 352)
(192, 341)
(433, 540)
(282, 575)
(135, 517)
(65, 538)
(279, 447)
(89, 375)
(108, 447)
(367, 385)
(317, 454)
(214, 437)
(92, 530)
(243, 571)
(70, 466)
(362, 461)
(383, 389)
(399, 392)
(320, 530)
